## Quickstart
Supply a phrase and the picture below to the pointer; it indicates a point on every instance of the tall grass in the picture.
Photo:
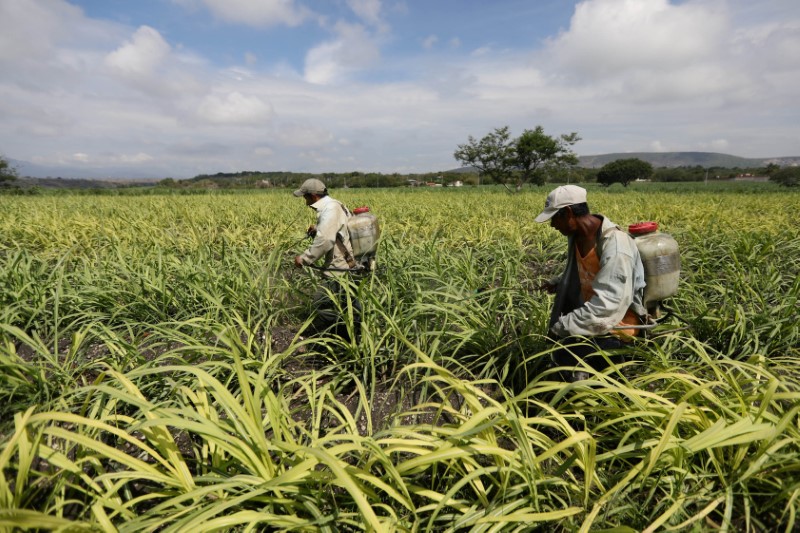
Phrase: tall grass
(155, 370)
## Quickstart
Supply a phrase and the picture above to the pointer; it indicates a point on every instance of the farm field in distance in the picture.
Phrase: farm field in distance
(155, 373)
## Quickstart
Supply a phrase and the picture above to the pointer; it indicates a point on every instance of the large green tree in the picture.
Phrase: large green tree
(788, 176)
(539, 154)
(624, 171)
(530, 158)
(7, 172)
(771, 169)
(493, 155)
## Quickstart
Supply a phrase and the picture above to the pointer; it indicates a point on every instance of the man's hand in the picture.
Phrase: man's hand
(298, 262)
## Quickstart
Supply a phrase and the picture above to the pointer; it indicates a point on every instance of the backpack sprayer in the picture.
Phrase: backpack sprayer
(365, 232)
(661, 261)
(662, 268)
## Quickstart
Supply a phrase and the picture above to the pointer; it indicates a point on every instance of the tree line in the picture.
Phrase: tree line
(532, 158)
(334, 180)
(536, 158)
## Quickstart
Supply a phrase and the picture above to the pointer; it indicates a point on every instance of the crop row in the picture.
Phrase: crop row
(155, 372)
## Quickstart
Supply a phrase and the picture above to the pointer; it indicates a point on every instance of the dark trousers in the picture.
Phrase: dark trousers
(577, 349)
(329, 303)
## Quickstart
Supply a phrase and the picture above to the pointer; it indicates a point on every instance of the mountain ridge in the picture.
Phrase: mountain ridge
(679, 159)
(688, 159)
(657, 159)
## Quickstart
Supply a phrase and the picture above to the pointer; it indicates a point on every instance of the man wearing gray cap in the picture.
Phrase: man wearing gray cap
(602, 287)
(331, 244)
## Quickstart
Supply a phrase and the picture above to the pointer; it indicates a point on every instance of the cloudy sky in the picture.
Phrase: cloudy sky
(157, 88)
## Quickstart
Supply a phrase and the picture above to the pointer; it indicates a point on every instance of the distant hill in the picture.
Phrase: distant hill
(673, 159)
(53, 178)
(678, 159)
(687, 159)
(33, 170)
(73, 183)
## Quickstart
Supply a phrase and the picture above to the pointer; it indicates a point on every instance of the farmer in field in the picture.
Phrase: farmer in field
(331, 244)
(602, 287)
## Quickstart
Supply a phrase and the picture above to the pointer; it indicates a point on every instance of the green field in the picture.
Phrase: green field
(155, 373)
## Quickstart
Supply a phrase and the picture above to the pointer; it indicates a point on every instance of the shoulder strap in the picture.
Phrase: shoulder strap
(351, 262)
(348, 255)
(347, 212)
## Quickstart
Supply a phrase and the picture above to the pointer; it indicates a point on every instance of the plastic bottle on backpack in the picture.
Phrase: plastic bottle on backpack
(662, 263)
(365, 232)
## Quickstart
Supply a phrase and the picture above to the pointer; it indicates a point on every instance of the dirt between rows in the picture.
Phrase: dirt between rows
(390, 396)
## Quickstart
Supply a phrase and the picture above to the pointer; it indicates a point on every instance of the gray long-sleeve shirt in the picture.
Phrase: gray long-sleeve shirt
(331, 220)
(618, 286)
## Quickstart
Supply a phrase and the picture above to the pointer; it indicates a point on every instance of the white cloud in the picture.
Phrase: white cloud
(263, 151)
(429, 42)
(367, 10)
(234, 108)
(720, 144)
(773, 47)
(49, 42)
(304, 136)
(482, 51)
(96, 160)
(32, 29)
(256, 12)
(658, 53)
(239, 74)
(691, 74)
(508, 74)
(140, 56)
(171, 78)
(658, 146)
(608, 37)
(333, 61)
(713, 82)
(141, 157)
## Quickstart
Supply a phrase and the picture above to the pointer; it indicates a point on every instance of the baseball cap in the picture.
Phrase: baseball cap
(311, 186)
(561, 197)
